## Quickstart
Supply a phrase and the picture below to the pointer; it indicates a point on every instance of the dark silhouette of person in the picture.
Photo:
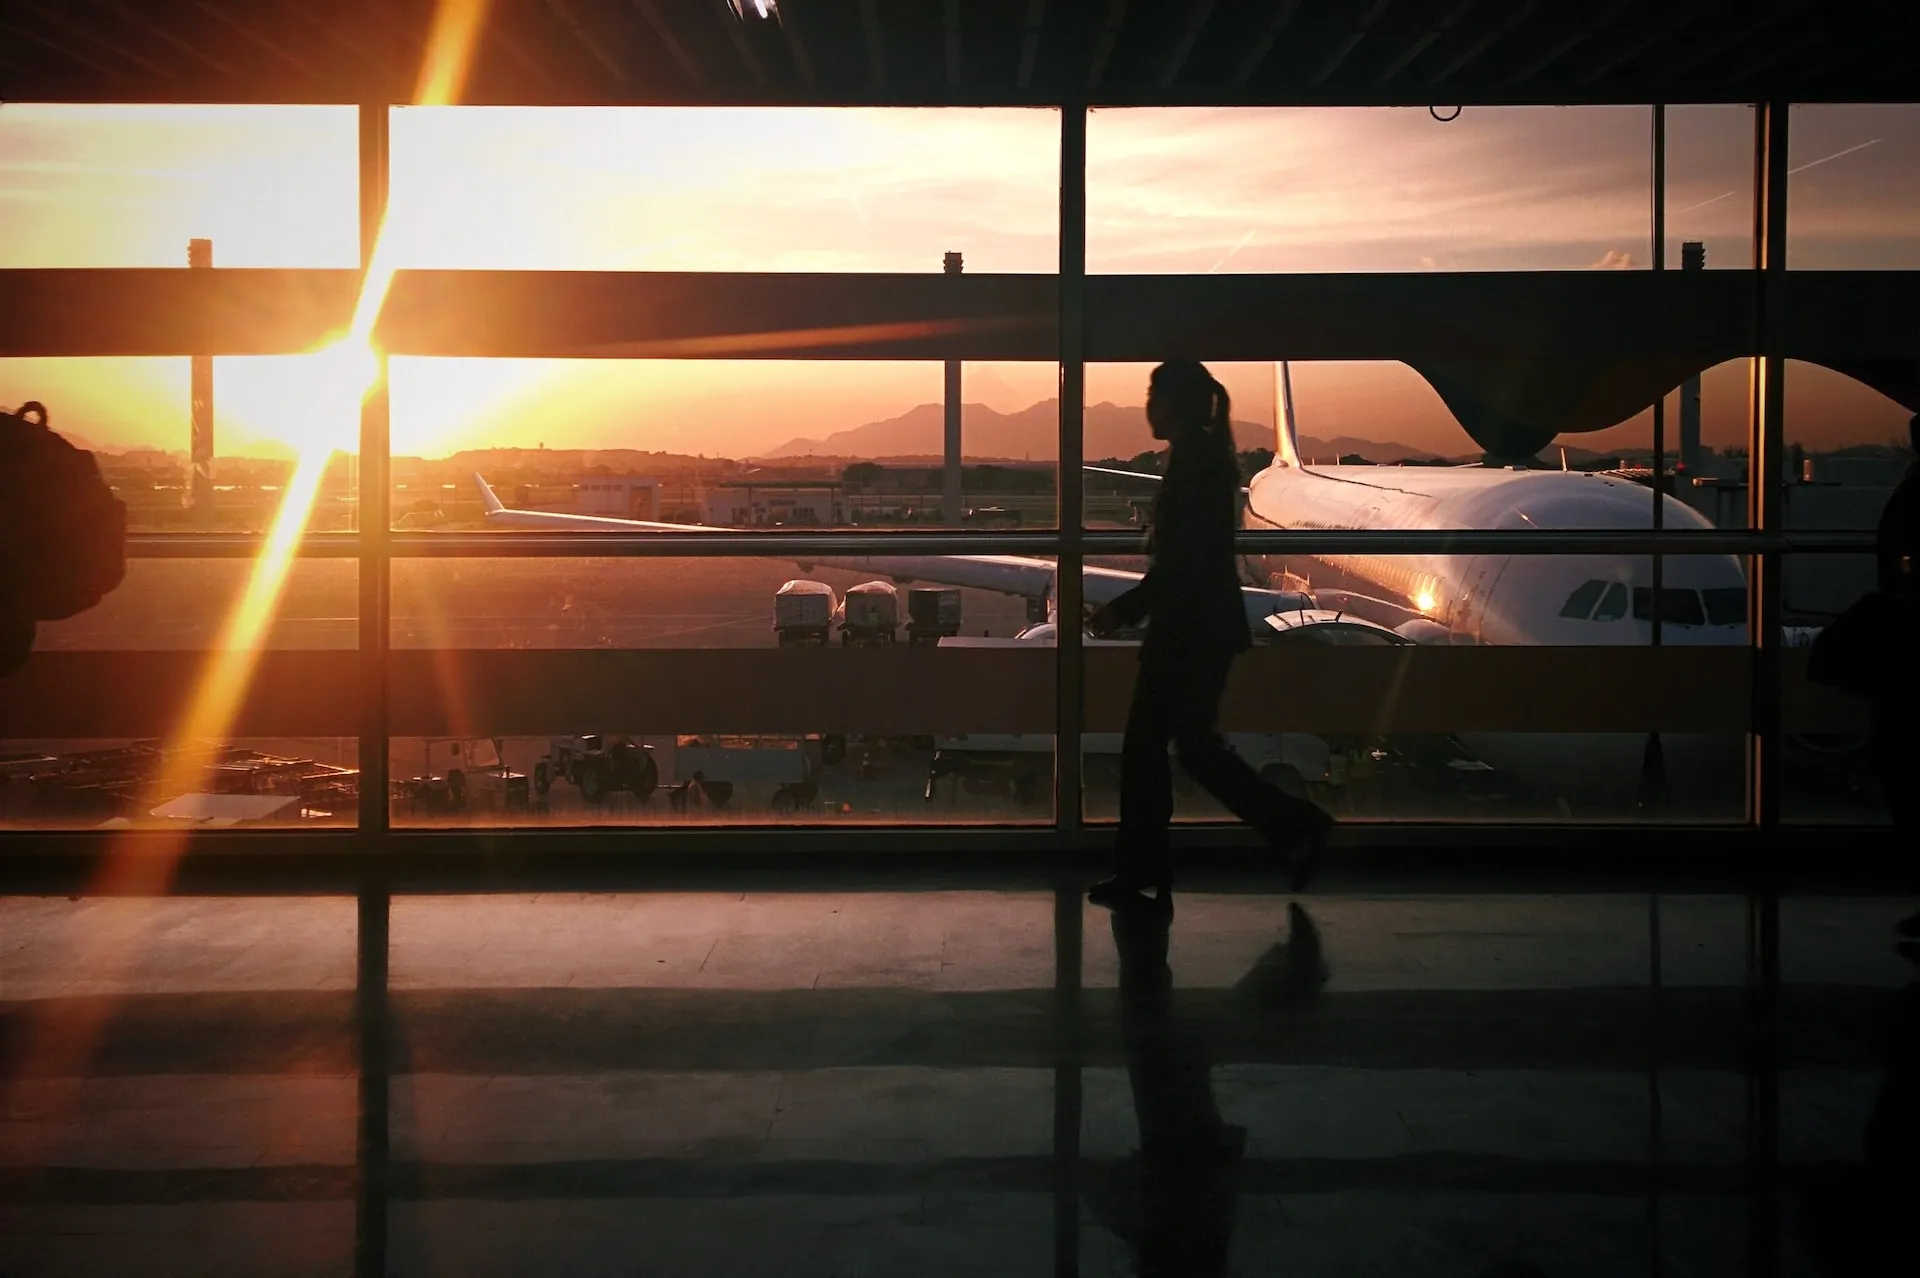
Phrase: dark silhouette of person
(1896, 709)
(1856, 1217)
(1174, 1204)
(63, 534)
(1196, 624)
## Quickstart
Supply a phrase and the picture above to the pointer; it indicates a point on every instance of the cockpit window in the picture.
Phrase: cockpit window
(1726, 605)
(1579, 605)
(1678, 606)
(1613, 605)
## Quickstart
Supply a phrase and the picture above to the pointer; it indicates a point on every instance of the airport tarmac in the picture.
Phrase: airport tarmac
(707, 603)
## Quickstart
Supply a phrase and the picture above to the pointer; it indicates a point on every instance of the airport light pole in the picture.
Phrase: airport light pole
(951, 512)
(200, 396)
(1693, 257)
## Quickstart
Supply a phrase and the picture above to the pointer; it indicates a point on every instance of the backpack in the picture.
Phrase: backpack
(63, 533)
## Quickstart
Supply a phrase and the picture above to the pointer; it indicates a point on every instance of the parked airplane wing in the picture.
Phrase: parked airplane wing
(1004, 574)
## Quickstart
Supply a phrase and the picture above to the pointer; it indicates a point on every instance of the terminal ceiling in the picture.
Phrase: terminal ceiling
(986, 52)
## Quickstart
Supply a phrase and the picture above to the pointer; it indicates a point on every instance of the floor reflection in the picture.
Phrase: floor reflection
(1173, 1201)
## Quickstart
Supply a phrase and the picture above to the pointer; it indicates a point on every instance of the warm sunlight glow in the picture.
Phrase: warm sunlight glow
(1425, 601)
(456, 28)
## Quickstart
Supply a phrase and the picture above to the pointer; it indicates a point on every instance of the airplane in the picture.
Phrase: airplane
(1506, 598)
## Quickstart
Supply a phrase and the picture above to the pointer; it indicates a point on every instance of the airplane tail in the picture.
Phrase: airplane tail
(1286, 443)
(487, 496)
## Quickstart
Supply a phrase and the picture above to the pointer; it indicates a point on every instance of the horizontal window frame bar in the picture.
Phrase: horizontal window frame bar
(908, 690)
(750, 544)
(1578, 315)
(1413, 857)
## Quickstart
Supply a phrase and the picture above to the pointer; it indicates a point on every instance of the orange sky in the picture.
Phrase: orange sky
(1185, 191)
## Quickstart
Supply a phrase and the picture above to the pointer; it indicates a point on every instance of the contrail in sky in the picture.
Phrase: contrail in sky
(1798, 168)
(1214, 269)
(1860, 146)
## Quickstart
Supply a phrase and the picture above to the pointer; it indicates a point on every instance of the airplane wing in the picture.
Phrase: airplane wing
(1023, 575)
(1140, 474)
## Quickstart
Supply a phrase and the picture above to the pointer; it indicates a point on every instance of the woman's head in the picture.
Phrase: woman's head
(1185, 402)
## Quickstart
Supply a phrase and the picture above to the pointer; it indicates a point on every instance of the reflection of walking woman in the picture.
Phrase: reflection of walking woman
(1197, 623)
(1896, 710)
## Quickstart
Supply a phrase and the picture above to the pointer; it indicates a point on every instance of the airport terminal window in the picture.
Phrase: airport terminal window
(1854, 181)
(1172, 191)
(670, 692)
(1580, 603)
(838, 189)
(720, 443)
(94, 185)
(1678, 607)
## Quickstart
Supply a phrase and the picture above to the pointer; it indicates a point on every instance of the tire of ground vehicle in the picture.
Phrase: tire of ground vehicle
(635, 770)
(833, 748)
(542, 778)
(456, 788)
(596, 779)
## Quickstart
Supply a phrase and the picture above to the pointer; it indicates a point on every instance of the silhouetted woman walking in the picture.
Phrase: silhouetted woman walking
(1197, 625)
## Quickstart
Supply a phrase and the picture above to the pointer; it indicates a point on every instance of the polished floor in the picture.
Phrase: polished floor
(900, 1083)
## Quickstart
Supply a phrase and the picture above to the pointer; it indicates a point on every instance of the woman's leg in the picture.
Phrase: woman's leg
(1146, 778)
(1285, 822)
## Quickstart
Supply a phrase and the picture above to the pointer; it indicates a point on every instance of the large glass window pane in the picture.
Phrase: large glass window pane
(703, 189)
(1378, 447)
(668, 691)
(1191, 190)
(1371, 688)
(180, 1085)
(1853, 185)
(722, 443)
(105, 186)
(1847, 446)
(199, 693)
(1710, 185)
(284, 443)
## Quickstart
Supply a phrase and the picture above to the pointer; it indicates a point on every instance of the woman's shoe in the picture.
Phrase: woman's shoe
(1117, 890)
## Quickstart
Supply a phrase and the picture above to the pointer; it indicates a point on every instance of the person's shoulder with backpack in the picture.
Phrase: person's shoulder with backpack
(63, 532)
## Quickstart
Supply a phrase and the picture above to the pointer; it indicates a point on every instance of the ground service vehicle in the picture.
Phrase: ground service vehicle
(456, 768)
(803, 614)
(869, 614)
(598, 765)
(933, 613)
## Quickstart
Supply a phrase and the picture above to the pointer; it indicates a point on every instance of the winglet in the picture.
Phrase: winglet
(487, 496)
(1286, 442)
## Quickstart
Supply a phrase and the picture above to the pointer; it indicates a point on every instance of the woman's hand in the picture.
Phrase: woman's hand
(1101, 622)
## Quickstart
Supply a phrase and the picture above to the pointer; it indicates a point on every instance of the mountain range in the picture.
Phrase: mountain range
(1113, 430)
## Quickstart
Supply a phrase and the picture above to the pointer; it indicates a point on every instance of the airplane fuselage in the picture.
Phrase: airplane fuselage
(1497, 598)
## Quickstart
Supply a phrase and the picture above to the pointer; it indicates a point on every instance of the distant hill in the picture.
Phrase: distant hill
(1113, 430)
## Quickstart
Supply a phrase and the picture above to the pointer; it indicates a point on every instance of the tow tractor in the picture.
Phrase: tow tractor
(598, 765)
